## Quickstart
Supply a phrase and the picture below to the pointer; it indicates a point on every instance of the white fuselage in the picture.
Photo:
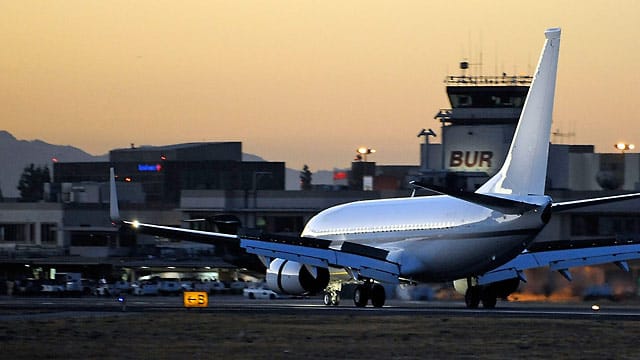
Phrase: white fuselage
(433, 238)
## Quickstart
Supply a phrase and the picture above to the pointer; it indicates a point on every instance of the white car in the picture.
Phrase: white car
(259, 293)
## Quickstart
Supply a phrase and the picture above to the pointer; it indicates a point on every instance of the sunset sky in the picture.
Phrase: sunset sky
(306, 82)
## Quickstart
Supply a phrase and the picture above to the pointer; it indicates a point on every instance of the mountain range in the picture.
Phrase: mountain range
(16, 154)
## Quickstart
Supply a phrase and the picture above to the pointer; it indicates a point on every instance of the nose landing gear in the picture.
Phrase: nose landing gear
(331, 298)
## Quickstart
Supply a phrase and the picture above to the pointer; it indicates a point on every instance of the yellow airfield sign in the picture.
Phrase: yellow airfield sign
(195, 299)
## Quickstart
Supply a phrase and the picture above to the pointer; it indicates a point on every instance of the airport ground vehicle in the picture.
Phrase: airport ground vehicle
(52, 288)
(69, 283)
(259, 293)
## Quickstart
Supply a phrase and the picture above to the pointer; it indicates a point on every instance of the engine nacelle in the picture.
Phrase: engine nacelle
(294, 278)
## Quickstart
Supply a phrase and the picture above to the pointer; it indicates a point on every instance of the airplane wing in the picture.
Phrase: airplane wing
(563, 260)
(206, 237)
(367, 261)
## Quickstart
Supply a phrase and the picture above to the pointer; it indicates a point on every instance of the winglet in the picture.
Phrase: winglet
(114, 211)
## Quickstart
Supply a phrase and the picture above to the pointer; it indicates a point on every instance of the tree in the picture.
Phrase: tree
(305, 178)
(32, 182)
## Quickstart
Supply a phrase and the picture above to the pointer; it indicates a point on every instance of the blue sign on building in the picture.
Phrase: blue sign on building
(149, 167)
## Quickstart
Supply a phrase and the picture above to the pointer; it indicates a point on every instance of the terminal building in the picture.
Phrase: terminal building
(208, 186)
(163, 171)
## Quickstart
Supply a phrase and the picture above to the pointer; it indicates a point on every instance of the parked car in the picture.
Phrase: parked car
(52, 288)
(259, 293)
(120, 287)
(70, 283)
(147, 288)
(211, 287)
(237, 287)
(188, 284)
(170, 287)
(88, 286)
(28, 287)
(217, 287)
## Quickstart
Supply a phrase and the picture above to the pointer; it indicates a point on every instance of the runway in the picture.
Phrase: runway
(42, 307)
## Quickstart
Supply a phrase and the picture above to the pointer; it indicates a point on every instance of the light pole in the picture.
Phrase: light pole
(362, 153)
(624, 146)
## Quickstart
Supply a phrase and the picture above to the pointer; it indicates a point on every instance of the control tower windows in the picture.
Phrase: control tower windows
(487, 97)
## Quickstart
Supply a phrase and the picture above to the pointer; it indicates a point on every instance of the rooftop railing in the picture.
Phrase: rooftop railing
(517, 80)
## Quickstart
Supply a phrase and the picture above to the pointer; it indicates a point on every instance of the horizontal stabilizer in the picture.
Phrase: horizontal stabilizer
(568, 205)
(506, 206)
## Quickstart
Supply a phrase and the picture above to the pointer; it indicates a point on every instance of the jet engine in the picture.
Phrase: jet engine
(294, 278)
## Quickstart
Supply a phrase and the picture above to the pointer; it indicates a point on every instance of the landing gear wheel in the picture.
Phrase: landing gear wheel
(335, 300)
(361, 295)
(472, 297)
(327, 299)
(331, 299)
(489, 299)
(378, 296)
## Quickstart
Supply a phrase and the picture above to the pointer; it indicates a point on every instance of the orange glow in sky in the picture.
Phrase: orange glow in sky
(305, 82)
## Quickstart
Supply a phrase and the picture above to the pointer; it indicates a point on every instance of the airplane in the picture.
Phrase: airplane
(480, 240)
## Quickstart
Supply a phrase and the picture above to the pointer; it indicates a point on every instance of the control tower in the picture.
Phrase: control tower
(478, 128)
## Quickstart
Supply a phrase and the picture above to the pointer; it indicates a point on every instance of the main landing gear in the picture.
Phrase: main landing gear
(369, 291)
(475, 294)
(488, 294)
(362, 294)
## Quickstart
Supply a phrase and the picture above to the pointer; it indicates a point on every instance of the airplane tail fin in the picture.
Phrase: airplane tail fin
(524, 170)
